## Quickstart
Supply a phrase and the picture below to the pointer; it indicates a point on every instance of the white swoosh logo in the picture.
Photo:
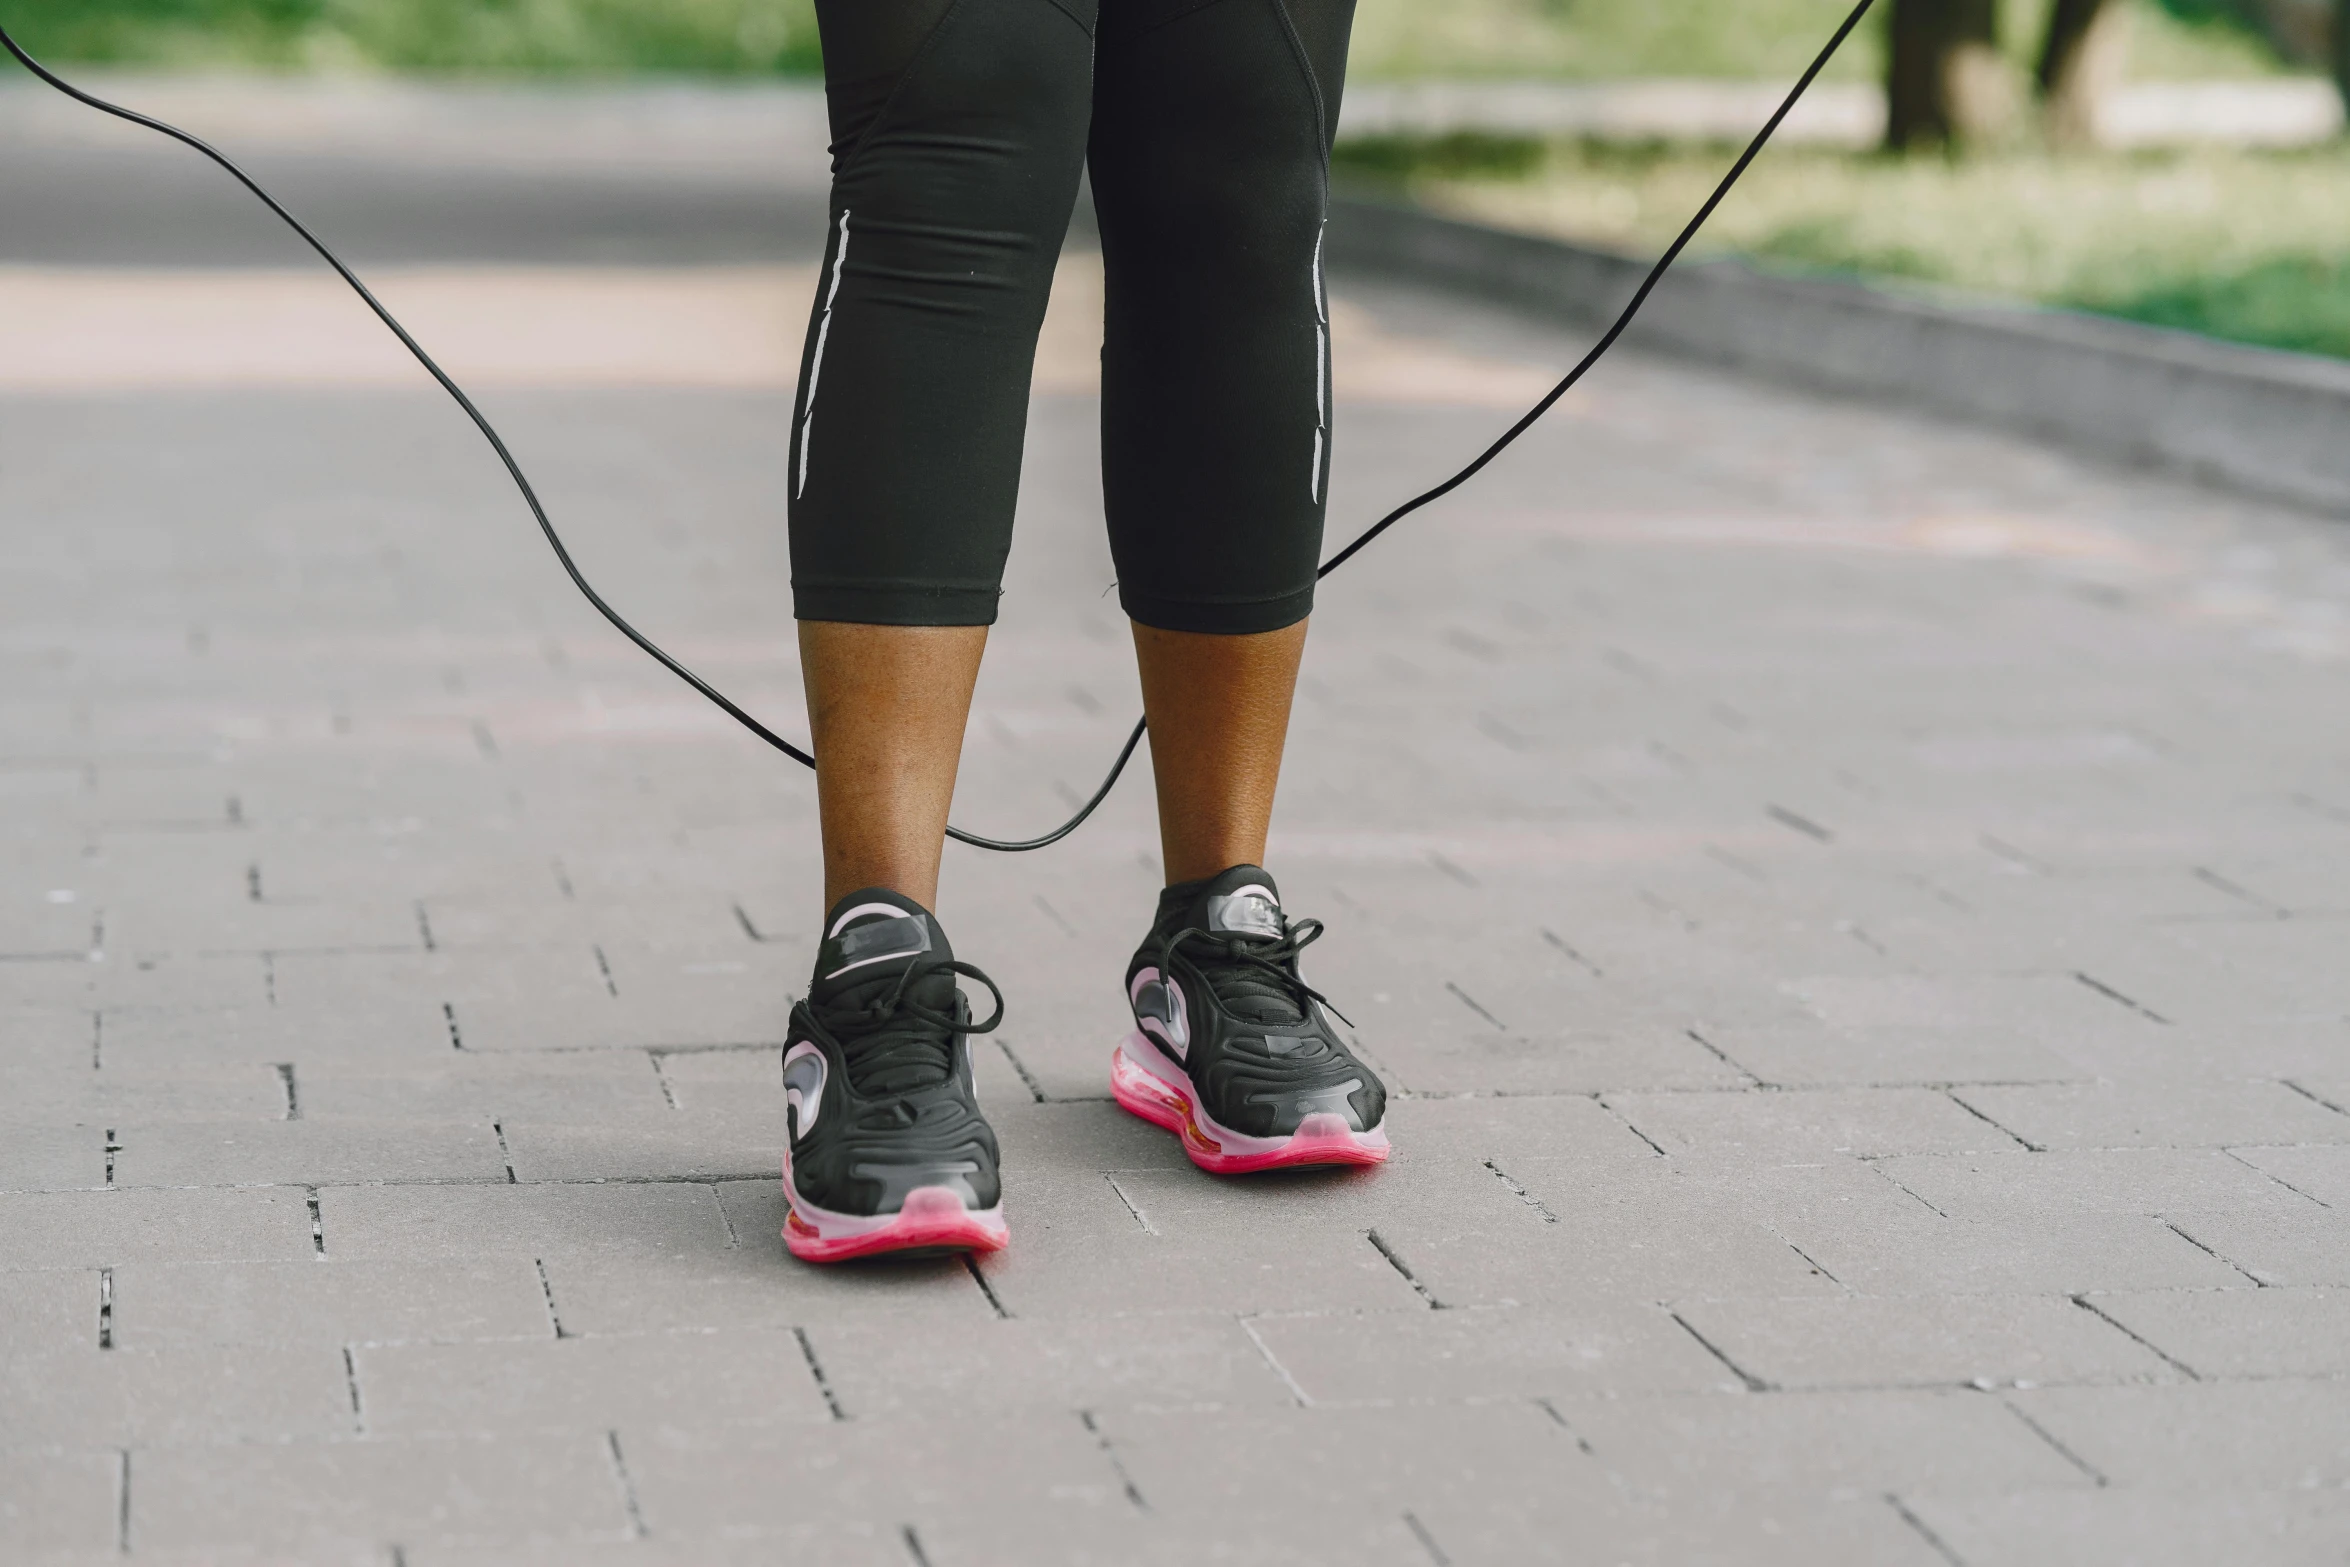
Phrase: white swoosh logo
(803, 1086)
(1158, 1009)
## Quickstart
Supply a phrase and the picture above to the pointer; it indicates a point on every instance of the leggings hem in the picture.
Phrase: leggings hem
(895, 604)
(1218, 617)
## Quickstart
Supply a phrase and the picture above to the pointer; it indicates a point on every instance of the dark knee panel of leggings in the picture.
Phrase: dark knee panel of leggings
(954, 175)
(1209, 158)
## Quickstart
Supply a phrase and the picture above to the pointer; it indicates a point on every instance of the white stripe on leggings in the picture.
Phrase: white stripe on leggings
(1321, 371)
(840, 254)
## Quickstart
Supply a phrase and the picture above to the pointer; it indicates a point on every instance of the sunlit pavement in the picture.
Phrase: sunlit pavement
(1856, 915)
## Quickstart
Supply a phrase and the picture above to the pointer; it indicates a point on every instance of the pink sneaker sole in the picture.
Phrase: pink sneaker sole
(933, 1219)
(1163, 1098)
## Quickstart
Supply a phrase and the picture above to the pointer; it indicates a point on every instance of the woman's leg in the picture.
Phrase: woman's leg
(959, 129)
(887, 705)
(1210, 157)
(1219, 713)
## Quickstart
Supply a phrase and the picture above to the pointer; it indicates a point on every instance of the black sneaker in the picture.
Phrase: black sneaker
(1231, 1050)
(887, 1151)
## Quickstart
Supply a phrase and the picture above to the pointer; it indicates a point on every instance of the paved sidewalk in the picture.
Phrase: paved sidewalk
(1855, 913)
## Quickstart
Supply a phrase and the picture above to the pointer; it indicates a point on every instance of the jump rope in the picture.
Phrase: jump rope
(1126, 752)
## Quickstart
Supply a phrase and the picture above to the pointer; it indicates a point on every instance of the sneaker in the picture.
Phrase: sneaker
(1231, 1050)
(887, 1149)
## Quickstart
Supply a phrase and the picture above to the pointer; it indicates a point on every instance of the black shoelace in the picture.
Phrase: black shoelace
(892, 1041)
(1258, 971)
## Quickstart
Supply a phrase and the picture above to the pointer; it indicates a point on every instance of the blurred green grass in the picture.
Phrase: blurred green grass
(486, 37)
(1600, 40)
(2252, 246)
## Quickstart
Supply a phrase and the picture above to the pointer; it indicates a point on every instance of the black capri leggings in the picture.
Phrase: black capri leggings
(959, 128)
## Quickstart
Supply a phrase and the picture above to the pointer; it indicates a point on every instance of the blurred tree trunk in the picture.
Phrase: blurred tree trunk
(2342, 49)
(2081, 60)
(1945, 82)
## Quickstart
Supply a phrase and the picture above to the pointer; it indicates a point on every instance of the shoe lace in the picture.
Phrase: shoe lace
(1259, 973)
(901, 1042)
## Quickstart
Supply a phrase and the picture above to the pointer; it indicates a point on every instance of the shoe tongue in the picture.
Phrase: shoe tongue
(1241, 902)
(1244, 902)
(869, 939)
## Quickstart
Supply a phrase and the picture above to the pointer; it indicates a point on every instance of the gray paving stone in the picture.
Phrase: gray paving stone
(2190, 1055)
(407, 1032)
(2281, 968)
(2016, 1184)
(2283, 1435)
(696, 1381)
(1658, 1056)
(1645, 1234)
(1060, 1274)
(565, 981)
(1482, 1483)
(720, 1079)
(1043, 1468)
(1488, 1353)
(1066, 1363)
(1805, 1056)
(411, 1222)
(297, 1497)
(52, 1503)
(1951, 1443)
(2158, 1115)
(661, 1143)
(1859, 1121)
(703, 919)
(48, 1311)
(1048, 1146)
(2247, 1332)
(2153, 1527)
(104, 1229)
(849, 1545)
(135, 978)
(1437, 1185)
(1923, 1254)
(325, 1302)
(1501, 1127)
(2320, 1172)
(583, 1088)
(758, 1287)
(305, 1153)
(566, 998)
(1775, 1529)
(231, 922)
(1863, 1341)
(1210, 1464)
(99, 1098)
(88, 1397)
(1257, 1538)
(1058, 1067)
(2278, 1247)
(51, 1158)
(1830, 1193)
(2325, 1082)
(2042, 1003)
(325, 1551)
(34, 923)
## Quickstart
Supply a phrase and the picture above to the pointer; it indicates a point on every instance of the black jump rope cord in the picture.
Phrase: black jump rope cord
(1126, 752)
